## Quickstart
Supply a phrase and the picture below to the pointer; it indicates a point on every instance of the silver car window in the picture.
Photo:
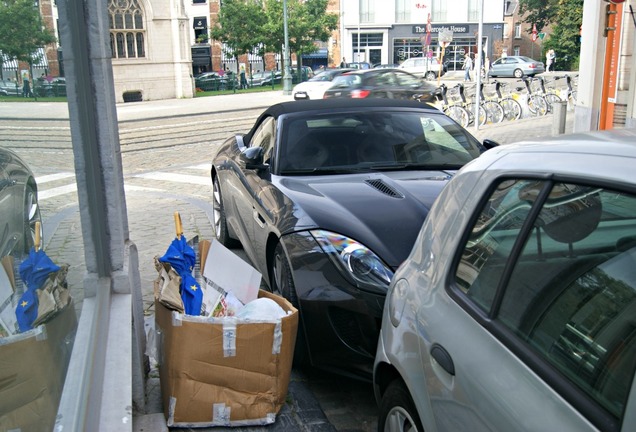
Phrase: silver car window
(571, 291)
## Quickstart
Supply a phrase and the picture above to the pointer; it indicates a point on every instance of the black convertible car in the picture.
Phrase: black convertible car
(327, 197)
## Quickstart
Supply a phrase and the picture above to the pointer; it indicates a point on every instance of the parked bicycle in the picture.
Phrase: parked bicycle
(512, 109)
(535, 101)
(453, 109)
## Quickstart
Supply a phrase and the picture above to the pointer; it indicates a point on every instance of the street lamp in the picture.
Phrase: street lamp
(287, 79)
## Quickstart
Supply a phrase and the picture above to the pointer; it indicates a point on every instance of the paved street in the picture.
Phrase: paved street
(174, 176)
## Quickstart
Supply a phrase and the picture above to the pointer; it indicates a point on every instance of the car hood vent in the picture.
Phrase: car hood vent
(381, 186)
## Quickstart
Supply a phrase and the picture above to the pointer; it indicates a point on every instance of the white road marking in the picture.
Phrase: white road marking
(178, 178)
(53, 177)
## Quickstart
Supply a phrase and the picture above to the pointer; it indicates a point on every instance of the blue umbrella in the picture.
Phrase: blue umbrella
(182, 258)
(34, 271)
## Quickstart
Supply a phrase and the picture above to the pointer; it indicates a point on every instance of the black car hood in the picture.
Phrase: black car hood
(384, 211)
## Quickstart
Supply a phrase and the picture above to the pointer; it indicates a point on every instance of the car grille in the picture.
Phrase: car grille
(381, 186)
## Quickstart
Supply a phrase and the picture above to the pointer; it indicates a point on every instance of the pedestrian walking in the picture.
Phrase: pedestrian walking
(243, 79)
(550, 58)
(26, 87)
(343, 63)
(468, 65)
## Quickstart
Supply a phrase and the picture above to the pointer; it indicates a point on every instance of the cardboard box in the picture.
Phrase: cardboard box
(32, 371)
(224, 371)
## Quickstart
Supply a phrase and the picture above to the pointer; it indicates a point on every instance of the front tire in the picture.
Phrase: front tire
(31, 217)
(220, 222)
(397, 410)
(430, 76)
(282, 283)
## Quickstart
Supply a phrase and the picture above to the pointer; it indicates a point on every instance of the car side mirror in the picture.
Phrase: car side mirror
(252, 157)
(489, 144)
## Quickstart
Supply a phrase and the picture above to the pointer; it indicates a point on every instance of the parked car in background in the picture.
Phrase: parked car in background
(516, 308)
(387, 65)
(359, 65)
(51, 87)
(427, 68)
(264, 78)
(380, 83)
(19, 209)
(10, 88)
(326, 197)
(315, 87)
(212, 81)
(515, 66)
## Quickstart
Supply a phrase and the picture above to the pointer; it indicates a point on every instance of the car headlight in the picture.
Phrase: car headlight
(355, 260)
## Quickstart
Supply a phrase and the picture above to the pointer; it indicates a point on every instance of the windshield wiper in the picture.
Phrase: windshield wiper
(416, 166)
(320, 171)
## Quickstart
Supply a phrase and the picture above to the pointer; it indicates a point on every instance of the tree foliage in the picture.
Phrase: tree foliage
(566, 39)
(539, 12)
(566, 17)
(256, 26)
(22, 31)
(237, 26)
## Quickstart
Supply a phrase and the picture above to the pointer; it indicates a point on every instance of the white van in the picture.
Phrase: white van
(428, 68)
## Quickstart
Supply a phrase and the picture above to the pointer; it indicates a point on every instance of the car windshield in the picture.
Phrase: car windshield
(343, 142)
(347, 80)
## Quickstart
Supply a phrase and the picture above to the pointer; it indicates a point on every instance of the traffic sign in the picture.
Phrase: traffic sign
(541, 35)
(445, 37)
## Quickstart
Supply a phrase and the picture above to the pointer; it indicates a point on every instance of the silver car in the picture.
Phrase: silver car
(19, 210)
(515, 66)
(516, 309)
(10, 88)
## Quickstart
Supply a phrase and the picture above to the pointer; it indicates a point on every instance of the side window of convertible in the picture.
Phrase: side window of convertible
(264, 137)
(555, 263)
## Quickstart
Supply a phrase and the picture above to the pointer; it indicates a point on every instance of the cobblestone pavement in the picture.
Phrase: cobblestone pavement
(179, 181)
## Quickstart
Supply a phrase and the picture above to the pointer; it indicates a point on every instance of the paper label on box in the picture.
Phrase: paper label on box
(229, 339)
(221, 414)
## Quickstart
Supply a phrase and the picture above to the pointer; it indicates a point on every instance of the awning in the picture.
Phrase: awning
(321, 53)
(9, 64)
(39, 61)
(200, 23)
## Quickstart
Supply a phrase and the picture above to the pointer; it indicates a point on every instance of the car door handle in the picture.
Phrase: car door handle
(258, 218)
(443, 358)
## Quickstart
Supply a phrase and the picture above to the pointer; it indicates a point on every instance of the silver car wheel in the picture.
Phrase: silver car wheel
(399, 420)
(32, 213)
(217, 208)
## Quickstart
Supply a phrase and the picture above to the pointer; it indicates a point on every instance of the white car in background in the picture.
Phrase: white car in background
(428, 68)
(315, 87)
(516, 309)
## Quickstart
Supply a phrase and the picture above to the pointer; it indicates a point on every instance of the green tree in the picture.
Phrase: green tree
(22, 31)
(307, 22)
(238, 27)
(539, 12)
(566, 17)
(565, 38)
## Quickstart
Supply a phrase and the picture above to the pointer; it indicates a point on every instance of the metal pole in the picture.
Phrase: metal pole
(287, 79)
(478, 64)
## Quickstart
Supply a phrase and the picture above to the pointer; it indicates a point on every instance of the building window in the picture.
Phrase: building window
(517, 30)
(438, 8)
(198, 1)
(516, 51)
(367, 12)
(402, 11)
(200, 25)
(127, 33)
(506, 30)
(473, 10)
